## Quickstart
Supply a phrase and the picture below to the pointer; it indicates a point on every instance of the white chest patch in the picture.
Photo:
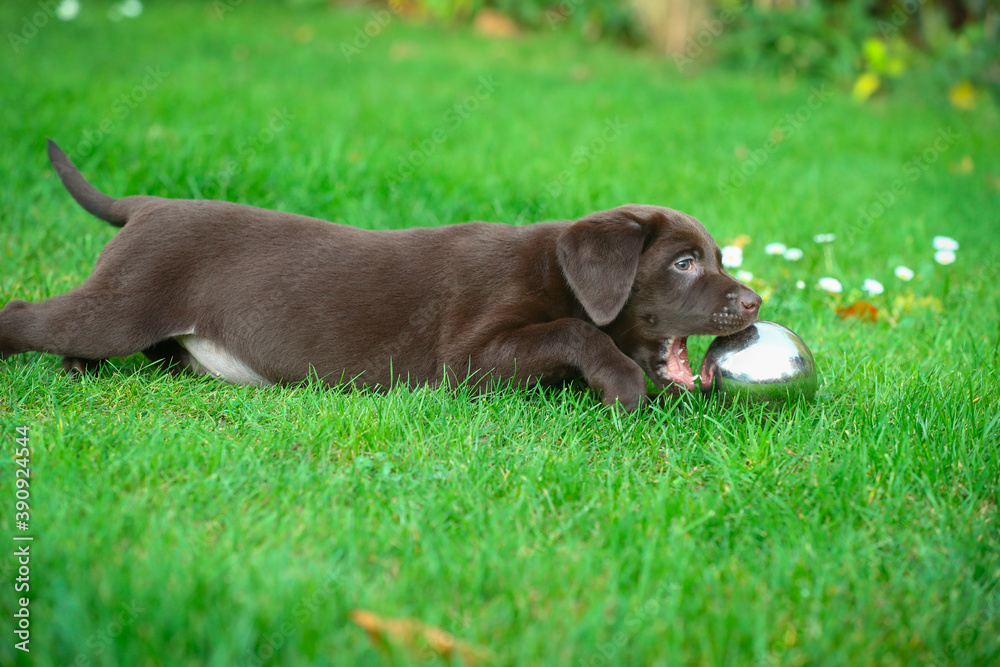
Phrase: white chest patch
(213, 359)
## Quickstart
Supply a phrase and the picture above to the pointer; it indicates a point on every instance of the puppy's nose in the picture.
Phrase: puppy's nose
(751, 302)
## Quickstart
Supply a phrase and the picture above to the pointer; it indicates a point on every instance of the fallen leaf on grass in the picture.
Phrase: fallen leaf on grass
(404, 7)
(741, 241)
(861, 310)
(492, 23)
(417, 637)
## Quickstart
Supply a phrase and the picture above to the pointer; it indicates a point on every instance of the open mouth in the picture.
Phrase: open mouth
(674, 367)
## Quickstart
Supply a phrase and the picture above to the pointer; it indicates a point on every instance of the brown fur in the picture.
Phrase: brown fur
(290, 295)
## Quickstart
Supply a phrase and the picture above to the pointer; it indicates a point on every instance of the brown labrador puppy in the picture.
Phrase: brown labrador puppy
(256, 296)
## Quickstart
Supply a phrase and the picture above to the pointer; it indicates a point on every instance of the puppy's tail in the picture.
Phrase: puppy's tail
(86, 195)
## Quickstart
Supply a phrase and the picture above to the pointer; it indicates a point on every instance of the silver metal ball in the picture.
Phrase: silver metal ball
(764, 362)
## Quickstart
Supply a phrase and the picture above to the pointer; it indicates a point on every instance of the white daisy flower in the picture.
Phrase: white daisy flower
(904, 273)
(793, 254)
(945, 243)
(68, 10)
(744, 276)
(825, 238)
(873, 286)
(732, 256)
(831, 285)
(775, 248)
(801, 284)
(944, 257)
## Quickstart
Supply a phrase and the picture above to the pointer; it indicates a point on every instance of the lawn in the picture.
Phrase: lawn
(178, 521)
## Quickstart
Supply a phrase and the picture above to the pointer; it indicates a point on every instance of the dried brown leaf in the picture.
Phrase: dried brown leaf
(416, 637)
(861, 310)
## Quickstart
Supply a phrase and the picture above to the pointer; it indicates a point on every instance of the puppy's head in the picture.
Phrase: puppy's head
(651, 277)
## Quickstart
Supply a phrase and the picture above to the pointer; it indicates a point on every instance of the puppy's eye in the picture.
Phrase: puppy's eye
(685, 264)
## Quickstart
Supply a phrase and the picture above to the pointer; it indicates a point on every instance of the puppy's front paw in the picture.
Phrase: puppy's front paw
(623, 386)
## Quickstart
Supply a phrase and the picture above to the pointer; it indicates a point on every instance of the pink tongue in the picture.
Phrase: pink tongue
(678, 369)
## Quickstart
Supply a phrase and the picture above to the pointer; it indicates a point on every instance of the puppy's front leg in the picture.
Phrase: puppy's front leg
(564, 348)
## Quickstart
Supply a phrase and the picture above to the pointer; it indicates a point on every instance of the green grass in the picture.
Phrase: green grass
(182, 522)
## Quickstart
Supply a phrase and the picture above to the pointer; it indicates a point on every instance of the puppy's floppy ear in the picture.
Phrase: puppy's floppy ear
(599, 255)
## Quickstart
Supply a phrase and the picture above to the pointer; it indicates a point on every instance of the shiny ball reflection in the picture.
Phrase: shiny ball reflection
(764, 362)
